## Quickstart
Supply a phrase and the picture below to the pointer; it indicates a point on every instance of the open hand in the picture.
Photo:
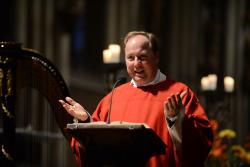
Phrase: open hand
(74, 109)
(173, 105)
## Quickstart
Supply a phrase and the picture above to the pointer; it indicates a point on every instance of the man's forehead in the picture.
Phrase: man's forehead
(139, 41)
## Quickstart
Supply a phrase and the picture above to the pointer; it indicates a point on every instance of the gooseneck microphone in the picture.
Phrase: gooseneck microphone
(119, 81)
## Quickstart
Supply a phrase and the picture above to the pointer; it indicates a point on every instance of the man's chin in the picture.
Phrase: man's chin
(140, 81)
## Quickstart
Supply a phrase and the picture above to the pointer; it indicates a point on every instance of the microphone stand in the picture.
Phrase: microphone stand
(121, 80)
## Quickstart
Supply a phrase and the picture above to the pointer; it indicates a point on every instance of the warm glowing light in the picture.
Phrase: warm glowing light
(107, 56)
(209, 82)
(228, 84)
(112, 54)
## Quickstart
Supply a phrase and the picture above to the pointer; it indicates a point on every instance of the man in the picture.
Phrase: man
(170, 108)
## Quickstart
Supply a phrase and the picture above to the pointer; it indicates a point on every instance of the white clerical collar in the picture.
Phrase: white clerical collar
(159, 77)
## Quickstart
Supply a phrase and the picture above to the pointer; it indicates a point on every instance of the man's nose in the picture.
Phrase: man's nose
(137, 61)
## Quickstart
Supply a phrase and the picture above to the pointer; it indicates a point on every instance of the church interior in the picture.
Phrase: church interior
(204, 44)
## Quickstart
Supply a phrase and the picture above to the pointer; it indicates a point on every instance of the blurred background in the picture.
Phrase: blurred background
(197, 38)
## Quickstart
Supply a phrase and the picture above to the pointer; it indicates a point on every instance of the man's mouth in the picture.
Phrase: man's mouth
(138, 71)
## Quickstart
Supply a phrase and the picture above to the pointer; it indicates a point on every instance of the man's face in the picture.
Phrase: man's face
(141, 61)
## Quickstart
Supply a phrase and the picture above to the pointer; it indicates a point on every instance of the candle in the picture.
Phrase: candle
(107, 56)
(204, 83)
(212, 81)
(228, 84)
(112, 54)
(115, 50)
(209, 82)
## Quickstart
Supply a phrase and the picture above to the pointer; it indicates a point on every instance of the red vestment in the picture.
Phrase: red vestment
(146, 105)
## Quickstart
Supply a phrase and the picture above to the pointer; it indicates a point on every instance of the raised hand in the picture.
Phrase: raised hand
(173, 105)
(74, 109)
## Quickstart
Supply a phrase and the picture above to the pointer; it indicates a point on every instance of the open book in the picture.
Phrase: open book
(101, 124)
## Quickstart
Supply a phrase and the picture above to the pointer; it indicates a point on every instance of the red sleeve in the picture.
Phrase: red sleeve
(197, 137)
(78, 152)
(101, 112)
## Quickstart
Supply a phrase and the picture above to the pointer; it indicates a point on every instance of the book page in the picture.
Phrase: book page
(102, 124)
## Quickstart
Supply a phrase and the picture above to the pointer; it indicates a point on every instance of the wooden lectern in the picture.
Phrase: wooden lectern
(117, 144)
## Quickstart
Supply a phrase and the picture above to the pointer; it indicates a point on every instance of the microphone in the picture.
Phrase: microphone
(119, 81)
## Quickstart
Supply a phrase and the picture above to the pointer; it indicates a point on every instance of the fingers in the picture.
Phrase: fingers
(68, 105)
(67, 100)
(179, 96)
(70, 100)
(61, 101)
(74, 108)
(170, 106)
(173, 104)
(183, 94)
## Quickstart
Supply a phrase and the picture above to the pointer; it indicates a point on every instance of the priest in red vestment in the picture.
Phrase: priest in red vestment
(169, 107)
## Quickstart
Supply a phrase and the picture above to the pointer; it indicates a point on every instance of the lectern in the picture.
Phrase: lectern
(117, 145)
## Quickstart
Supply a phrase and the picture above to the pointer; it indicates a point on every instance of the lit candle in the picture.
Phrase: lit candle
(107, 56)
(115, 50)
(209, 82)
(204, 83)
(228, 84)
(212, 81)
